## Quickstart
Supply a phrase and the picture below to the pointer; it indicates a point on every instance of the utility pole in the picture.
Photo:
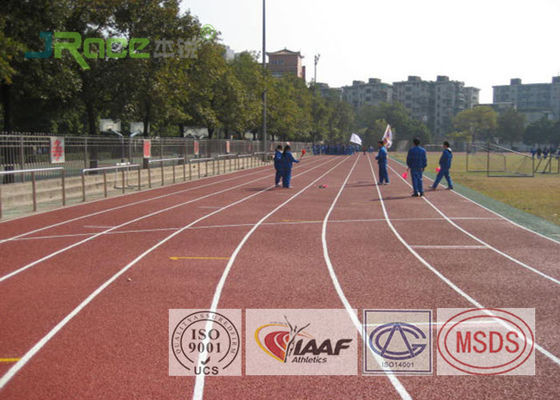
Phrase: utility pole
(264, 79)
(316, 59)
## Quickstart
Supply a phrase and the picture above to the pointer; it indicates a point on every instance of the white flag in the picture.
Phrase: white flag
(388, 137)
(355, 139)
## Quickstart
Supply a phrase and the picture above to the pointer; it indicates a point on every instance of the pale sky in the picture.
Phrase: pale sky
(480, 42)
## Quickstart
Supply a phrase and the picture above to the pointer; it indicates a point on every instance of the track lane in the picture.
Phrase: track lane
(8, 270)
(542, 384)
(34, 223)
(554, 278)
(99, 365)
(94, 294)
(63, 281)
(290, 274)
(480, 208)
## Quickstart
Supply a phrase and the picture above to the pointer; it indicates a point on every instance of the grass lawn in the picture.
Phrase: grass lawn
(539, 195)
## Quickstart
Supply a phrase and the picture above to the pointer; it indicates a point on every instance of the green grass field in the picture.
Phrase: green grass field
(539, 195)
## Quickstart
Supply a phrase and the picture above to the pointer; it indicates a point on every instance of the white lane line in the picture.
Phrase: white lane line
(476, 218)
(45, 339)
(198, 392)
(51, 255)
(98, 226)
(125, 205)
(482, 242)
(148, 230)
(392, 378)
(449, 247)
(500, 216)
(456, 288)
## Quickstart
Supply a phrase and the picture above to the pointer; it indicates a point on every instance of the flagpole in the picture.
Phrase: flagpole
(264, 138)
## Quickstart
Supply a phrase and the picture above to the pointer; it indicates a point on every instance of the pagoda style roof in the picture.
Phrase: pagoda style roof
(284, 52)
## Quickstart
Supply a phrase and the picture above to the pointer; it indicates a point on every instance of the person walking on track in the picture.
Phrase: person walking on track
(417, 162)
(286, 163)
(382, 162)
(277, 164)
(444, 166)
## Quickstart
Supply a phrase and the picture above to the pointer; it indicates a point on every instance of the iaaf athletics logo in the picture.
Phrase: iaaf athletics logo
(300, 342)
(115, 47)
(289, 343)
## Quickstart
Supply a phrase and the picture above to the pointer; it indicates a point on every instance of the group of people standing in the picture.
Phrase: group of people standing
(543, 153)
(283, 162)
(417, 162)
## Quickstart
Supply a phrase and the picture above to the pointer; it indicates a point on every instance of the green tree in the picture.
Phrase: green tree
(511, 126)
(158, 21)
(249, 73)
(340, 122)
(404, 127)
(476, 123)
(540, 132)
(36, 91)
(554, 137)
(320, 114)
(374, 133)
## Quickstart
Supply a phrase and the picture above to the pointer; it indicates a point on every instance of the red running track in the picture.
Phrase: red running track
(85, 302)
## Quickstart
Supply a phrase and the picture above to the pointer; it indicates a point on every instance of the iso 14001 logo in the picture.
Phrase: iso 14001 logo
(398, 341)
(204, 342)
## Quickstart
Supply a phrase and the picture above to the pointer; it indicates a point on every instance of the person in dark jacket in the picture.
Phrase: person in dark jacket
(417, 162)
(382, 162)
(277, 166)
(286, 163)
(445, 166)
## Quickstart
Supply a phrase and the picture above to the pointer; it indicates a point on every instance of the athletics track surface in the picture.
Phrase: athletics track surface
(86, 289)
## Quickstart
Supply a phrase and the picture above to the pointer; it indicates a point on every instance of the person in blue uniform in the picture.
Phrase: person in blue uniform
(445, 166)
(277, 166)
(286, 163)
(382, 162)
(417, 162)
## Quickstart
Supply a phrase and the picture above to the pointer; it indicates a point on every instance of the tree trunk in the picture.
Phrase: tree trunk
(147, 117)
(92, 131)
(7, 106)
(8, 156)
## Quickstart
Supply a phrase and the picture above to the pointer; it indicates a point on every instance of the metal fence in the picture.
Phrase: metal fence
(20, 151)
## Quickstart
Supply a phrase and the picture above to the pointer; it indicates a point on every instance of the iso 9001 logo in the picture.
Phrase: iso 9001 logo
(204, 343)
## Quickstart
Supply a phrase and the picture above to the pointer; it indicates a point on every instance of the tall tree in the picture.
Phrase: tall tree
(476, 123)
(511, 126)
(320, 114)
(539, 132)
